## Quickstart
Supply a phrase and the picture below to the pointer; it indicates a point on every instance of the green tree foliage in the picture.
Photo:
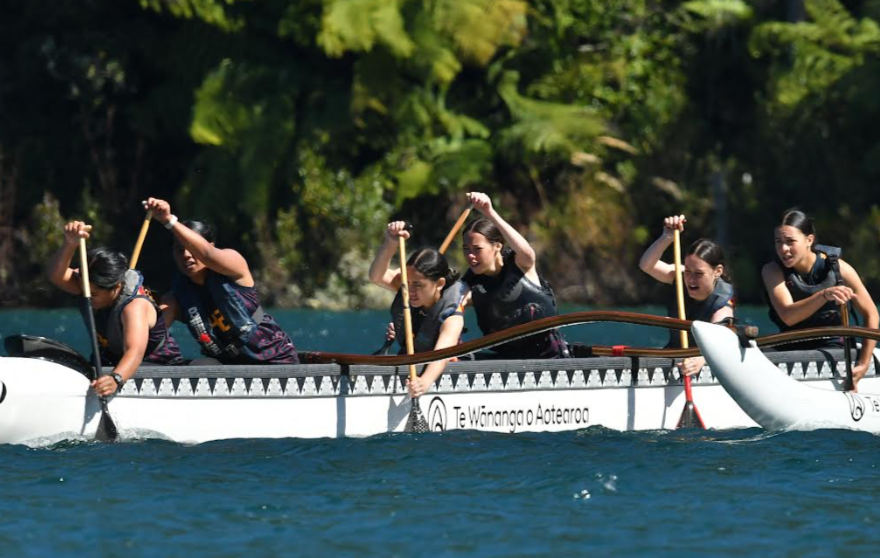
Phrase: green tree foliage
(300, 128)
(811, 56)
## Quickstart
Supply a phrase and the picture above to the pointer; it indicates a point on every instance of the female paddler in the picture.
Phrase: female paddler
(807, 283)
(215, 296)
(129, 324)
(504, 286)
(710, 296)
(436, 297)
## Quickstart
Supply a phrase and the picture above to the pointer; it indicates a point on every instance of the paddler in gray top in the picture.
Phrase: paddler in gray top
(129, 324)
(710, 296)
(436, 299)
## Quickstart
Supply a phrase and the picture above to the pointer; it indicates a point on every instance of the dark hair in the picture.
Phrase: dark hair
(106, 267)
(433, 265)
(799, 220)
(205, 230)
(710, 252)
(486, 228)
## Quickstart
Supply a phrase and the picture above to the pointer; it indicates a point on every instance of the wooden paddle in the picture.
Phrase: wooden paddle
(140, 241)
(416, 421)
(107, 431)
(455, 228)
(848, 384)
(690, 417)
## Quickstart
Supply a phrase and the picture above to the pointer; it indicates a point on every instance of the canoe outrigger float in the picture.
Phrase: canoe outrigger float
(775, 399)
(45, 394)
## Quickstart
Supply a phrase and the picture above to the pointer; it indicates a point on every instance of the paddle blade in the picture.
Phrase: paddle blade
(107, 431)
(416, 421)
(690, 417)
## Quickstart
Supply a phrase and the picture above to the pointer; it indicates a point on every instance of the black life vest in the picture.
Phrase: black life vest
(216, 315)
(426, 324)
(510, 299)
(161, 348)
(825, 273)
(703, 310)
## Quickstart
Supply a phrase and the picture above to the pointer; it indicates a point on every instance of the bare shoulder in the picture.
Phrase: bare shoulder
(846, 268)
(138, 307)
(771, 273)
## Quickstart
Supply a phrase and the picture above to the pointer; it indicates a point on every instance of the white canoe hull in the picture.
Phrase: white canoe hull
(775, 400)
(195, 404)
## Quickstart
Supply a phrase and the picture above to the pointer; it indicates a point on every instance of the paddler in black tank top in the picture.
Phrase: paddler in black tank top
(505, 287)
(807, 283)
(129, 324)
(436, 296)
(710, 296)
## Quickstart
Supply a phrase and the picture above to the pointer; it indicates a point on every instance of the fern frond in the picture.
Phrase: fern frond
(358, 25)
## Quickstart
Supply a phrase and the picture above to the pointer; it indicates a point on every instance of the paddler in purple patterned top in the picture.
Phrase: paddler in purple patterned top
(216, 297)
(129, 324)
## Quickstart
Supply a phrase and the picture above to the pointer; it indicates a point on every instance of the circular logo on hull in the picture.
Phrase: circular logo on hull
(437, 415)
(856, 406)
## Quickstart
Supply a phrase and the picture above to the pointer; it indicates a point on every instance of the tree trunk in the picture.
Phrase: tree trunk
(8, 187)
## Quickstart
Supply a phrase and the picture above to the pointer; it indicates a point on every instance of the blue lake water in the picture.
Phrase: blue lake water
(591, 492)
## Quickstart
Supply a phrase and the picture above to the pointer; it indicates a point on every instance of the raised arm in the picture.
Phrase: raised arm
(650, 262)
(58, 269)
(792, 312)
(526, 259)
(223, 261)
(379, 273)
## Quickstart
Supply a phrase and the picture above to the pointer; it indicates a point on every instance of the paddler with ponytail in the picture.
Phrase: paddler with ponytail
(710, 296)
(436, 297)
(129, 324)
(505, 288)
(214, 294)
(807, 283)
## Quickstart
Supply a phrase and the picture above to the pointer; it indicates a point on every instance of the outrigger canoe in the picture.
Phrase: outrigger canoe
(45, 394)
(790, 397)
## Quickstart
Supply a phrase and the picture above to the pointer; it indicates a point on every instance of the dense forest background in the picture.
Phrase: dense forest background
(301, 127)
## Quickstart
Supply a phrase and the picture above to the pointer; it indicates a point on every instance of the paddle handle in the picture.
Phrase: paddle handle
(455, 228)
(90, 312)
(679, 286)
(140, 241)
(84, 271)
(407, 312)
(679, 297)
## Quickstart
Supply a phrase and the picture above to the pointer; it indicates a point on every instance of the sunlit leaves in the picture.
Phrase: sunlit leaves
(715, 15)
(478, 28)
(248, 113)
(812, 56)
(359, 25)
(212, 12)
(545, 128)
